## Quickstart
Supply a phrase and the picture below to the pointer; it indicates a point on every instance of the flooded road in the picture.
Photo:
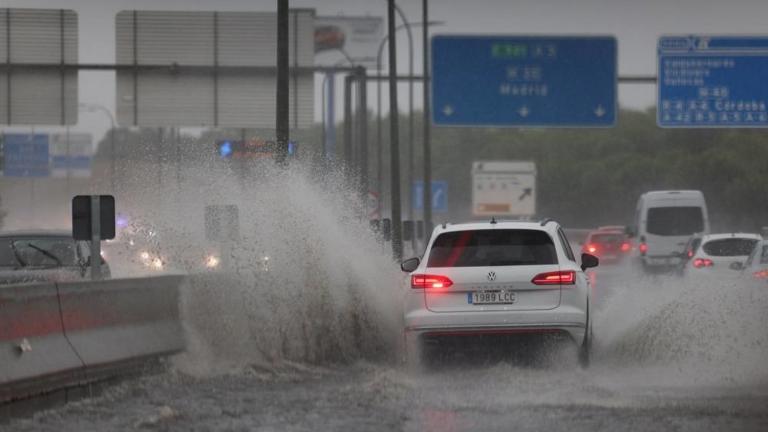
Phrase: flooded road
(666, 359)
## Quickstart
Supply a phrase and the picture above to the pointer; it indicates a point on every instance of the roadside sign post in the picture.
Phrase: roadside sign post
(712, 81)
(439, 195)
(531, 81)
(222, 225)
(504, 188)
(93, 219)
(95, 238)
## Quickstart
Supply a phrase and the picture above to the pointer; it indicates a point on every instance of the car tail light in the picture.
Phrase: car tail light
(626, 247)
(643, 248)
(566, 277)
(702, 262)
(690, 253)
(420, 281)
(761, 274)
(591, 248)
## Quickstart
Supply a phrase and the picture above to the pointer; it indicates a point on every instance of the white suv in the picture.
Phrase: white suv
(497, 278)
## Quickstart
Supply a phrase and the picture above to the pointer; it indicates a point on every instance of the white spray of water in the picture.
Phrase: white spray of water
(687, 330)
(328, 292)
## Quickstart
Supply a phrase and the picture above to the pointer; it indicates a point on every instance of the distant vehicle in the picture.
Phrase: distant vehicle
(755, 268)
(44, 256)
(663, 223)
(721, 253)
(610, 244)
(491, 279)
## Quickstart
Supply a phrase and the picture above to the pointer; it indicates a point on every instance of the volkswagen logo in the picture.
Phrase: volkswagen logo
(491, 276)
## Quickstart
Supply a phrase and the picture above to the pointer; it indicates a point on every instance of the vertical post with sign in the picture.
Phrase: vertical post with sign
(93, 219)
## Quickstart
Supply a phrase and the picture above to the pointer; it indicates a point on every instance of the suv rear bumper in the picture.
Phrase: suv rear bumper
(566, 319)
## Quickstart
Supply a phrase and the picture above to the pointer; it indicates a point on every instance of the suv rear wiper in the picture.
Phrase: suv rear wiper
(46, 253)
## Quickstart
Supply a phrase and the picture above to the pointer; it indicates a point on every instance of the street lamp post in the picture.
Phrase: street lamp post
(379, 148)
(93, 107)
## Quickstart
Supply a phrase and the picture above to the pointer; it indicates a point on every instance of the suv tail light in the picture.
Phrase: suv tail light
(702, 262)
(591, 248)
(626, 247)
(421, 281)
(761, 274)
(566, 277)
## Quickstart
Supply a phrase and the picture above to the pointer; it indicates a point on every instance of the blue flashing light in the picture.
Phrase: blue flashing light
(225, 149)
(121, 221)
(291, 148)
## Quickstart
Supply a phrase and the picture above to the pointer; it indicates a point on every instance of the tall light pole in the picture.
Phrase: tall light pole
(427, 200)
(379, 146)
(397, 228)
(94, 107)
(282, 112)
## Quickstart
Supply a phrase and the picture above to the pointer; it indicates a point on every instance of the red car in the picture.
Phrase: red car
(608, 244)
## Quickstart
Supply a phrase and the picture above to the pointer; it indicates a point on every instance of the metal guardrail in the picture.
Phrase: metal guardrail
(59, 335)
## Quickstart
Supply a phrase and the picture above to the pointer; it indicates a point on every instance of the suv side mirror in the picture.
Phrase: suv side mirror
(410, 264)
(736, 265)
(588, 261)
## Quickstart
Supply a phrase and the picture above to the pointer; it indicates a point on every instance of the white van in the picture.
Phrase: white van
(664, 221)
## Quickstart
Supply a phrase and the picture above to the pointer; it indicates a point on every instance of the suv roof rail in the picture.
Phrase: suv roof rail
(546, 221)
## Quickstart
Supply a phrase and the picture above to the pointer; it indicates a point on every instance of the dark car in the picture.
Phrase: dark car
(610, 245)
(44, 256)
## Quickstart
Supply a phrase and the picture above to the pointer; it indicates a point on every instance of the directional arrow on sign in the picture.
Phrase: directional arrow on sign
(599, 111)
(524, 111)
(526, 193)
(448, 110)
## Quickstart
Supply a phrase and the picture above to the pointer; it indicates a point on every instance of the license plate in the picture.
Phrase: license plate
(491, 297)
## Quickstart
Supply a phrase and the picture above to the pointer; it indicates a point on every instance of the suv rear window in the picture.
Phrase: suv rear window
(729, 247)
(674, 221)
(498, 247)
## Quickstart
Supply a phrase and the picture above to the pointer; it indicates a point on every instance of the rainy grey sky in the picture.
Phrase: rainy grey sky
(636, 24)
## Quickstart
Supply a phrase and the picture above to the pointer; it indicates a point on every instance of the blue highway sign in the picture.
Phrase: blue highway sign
(712, 81)
(549, 81)
(439, 195)
(26, 155)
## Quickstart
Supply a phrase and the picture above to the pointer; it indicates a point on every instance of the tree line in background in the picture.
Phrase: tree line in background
(586, 177)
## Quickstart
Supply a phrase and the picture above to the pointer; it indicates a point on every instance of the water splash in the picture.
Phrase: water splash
(330, 291)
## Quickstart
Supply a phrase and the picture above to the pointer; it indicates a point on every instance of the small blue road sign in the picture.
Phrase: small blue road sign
(26, 155)
(712, 81)
(524, 81)
(439, 195)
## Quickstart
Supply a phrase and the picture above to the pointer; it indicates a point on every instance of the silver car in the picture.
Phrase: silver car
(497, 278)
(44, 256)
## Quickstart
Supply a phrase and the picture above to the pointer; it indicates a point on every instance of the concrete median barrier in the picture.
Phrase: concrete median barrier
(34, 351)
(54, 336)
(123, 319)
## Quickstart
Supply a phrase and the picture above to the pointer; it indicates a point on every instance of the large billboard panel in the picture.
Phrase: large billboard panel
(35, 95)
(216, 93)
(340, 38)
